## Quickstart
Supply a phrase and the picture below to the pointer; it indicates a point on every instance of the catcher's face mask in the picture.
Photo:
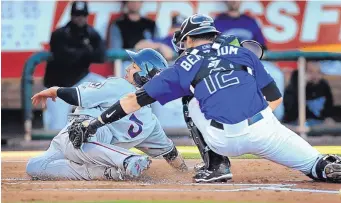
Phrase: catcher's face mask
(177, 44)
(194, 25)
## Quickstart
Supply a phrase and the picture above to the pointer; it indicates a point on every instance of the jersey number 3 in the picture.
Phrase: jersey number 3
(139, 124)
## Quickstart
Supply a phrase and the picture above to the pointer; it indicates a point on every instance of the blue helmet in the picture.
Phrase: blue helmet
(150, 62)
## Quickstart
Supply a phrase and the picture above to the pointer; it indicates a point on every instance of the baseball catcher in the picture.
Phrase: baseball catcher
(218, 164)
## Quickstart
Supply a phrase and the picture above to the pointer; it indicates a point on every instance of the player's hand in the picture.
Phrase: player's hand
(42, 96)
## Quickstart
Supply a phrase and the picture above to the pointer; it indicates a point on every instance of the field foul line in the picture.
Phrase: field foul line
(15, 179)
(143, 184)
(241, 184)
(253, 187)
(14, 161)
(190, 190)
(301, 190)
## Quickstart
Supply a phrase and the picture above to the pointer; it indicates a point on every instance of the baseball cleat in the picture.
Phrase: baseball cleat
(135, 165)
(222, 174)
(333, 172)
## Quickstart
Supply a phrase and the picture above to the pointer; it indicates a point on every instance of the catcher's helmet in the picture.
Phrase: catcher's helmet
(150, 62)
(194, 25)
(253, 46)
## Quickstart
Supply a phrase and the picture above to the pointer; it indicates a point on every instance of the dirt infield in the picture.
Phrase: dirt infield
(255, 180)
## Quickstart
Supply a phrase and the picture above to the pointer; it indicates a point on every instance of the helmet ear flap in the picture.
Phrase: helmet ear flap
(139, 80)
(153, 72)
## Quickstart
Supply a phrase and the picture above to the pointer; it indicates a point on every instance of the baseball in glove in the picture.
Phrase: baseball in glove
(79, 132)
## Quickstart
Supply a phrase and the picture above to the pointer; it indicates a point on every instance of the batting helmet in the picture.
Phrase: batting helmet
(150, 62)
(194, 25)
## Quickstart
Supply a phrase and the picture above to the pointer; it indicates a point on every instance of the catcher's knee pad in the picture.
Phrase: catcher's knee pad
(175, 159)
(327, 168)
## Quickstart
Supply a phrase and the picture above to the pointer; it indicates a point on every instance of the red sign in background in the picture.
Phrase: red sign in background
(285, 25)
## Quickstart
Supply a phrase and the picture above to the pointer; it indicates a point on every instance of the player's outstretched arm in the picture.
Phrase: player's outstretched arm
(42, 96)
(68, 94)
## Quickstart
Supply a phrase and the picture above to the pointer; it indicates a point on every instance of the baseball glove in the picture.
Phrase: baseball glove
(78, 132)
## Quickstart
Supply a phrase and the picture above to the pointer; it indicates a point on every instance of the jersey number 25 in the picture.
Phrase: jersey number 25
(139, 124)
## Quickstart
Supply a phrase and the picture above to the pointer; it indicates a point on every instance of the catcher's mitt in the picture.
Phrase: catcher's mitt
(78, 132)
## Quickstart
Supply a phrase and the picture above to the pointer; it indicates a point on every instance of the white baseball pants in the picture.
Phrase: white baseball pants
(267, 138)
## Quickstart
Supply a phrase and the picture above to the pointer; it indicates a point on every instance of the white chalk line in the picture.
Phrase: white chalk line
(15, 179)
(37, 182)
(241, 184)
(147, 184)
(14, 161)
(189, 190)
(251, 187)
(301, 190)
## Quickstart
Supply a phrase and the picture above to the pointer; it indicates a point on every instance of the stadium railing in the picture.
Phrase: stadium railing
(119, 54)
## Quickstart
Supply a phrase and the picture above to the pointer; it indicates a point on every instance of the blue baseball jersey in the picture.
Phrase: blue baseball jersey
(95, 98)
(229, 97)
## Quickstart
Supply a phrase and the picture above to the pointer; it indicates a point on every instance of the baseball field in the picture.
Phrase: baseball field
(255, 180)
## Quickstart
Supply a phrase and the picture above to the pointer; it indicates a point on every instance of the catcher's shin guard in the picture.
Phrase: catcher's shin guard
(199, 141)
(327, 168)
(211, 159)
(195, 134)
(175, 159)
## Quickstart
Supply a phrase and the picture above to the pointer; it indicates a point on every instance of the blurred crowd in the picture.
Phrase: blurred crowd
(76, 45)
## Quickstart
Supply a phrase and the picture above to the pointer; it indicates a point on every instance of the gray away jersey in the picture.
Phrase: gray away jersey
(95, 98)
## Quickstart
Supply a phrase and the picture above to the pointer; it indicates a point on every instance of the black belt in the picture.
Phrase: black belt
(254, 119)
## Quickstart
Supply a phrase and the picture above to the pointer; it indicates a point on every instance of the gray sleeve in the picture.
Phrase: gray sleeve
(115, 40)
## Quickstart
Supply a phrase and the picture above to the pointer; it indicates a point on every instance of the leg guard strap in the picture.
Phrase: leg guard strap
(175, 159)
